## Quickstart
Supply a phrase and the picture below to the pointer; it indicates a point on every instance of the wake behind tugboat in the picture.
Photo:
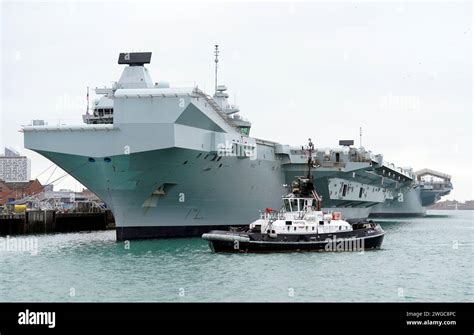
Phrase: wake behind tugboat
(299, 226)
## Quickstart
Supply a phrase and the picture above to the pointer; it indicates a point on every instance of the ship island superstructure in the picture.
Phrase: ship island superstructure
(177, 162)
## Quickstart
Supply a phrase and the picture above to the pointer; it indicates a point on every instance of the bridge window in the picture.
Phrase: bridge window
(245, 130)
(300, 204)
(361, 191)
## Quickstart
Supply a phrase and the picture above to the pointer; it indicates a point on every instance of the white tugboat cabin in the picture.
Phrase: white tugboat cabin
(299, 216)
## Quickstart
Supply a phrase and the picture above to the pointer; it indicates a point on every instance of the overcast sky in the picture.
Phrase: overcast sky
(402, 72)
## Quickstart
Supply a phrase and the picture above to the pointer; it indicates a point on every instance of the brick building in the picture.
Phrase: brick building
(10, 191)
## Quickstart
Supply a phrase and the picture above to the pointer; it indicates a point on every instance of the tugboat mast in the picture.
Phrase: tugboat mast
(310, 158)
(310, 184)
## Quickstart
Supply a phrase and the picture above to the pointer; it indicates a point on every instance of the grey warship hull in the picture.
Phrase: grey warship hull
(175, 162)
(413, 202)
(411, 206)
(182, 193)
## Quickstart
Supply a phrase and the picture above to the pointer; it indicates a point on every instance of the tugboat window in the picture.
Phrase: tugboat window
(294, 205)
(287, 205)
(344, 190)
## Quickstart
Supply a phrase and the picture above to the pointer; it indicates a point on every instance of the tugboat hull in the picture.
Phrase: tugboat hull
(363, 239)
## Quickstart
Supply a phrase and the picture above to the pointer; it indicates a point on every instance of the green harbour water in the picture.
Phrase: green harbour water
(422, 259)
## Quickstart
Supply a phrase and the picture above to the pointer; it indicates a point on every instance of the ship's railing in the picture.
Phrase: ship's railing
(232, 109)
(429, 172)
(393, 167)
(363, 156)
(92, 119)
(215, 106)
(328, 164)
(239, 118)
(265, 142)
(68, 127)
(436, 185)
(360, 159)
(54, 122)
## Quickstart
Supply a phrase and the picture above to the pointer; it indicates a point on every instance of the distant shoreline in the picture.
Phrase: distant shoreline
(453, 205)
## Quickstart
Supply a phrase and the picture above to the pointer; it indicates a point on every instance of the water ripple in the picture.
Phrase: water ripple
(422, 259)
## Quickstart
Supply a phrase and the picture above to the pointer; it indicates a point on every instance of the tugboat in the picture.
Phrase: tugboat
(299, 226)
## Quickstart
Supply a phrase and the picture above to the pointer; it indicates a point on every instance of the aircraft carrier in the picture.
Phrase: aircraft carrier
(177, 162)
(428, 188)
